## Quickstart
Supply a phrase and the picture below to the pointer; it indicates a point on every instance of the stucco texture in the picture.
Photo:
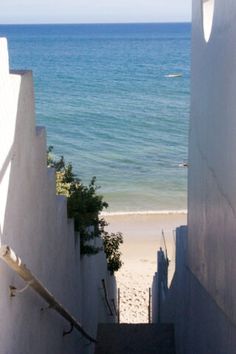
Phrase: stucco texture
(33, 222)
(202, 298)
(212, 162)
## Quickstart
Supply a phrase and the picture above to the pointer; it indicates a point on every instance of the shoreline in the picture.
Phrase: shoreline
(146, 212)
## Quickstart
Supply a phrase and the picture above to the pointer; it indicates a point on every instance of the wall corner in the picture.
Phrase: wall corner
(4, 57)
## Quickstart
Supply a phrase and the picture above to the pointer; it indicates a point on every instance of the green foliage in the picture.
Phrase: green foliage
(65, 178)
(84, 205)
(111, 244)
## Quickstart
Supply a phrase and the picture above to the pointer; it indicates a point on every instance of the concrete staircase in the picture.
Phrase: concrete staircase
(135, 338)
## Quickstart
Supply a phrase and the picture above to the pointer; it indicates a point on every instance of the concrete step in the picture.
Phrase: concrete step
(135, 338)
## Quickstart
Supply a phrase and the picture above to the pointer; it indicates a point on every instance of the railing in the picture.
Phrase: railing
(15, 263)
(149, 305)
(162, 284)
(106, 297)
(116, 311)
(118, 317)
(114, 307)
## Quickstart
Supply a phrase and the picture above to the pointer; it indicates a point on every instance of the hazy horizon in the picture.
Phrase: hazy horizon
(92, 23)
(93, 11)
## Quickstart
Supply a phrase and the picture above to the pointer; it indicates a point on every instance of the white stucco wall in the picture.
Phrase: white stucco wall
(212, 157)
(33, 222)
(202, 298)
(200, 324)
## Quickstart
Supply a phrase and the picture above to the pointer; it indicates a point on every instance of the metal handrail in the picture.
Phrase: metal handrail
(15, 263)
(106, 297)
(114, 307)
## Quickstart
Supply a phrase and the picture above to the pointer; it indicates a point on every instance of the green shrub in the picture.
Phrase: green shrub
(111, 244)
(85, 205)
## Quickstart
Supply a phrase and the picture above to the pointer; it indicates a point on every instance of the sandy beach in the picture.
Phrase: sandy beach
(142, 238)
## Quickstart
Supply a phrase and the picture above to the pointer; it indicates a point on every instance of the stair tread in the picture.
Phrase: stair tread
(135, 338)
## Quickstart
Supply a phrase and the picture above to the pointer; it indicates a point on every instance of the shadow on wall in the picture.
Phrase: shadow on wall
(200, 325)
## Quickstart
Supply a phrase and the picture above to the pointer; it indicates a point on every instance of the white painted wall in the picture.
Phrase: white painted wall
(202, 298)
(212, 155)
(33, 221)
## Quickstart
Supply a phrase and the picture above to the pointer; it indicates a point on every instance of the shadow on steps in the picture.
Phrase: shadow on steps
(135, 338)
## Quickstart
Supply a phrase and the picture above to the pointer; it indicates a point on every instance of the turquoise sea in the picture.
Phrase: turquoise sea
(104, 95)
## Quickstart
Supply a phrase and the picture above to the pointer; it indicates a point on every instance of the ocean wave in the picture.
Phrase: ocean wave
(146, 212)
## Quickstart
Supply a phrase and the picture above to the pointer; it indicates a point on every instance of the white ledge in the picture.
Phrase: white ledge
(4, 58)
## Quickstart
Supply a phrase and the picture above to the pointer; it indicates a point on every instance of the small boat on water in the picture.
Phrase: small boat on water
(174, 75)
(183, 164)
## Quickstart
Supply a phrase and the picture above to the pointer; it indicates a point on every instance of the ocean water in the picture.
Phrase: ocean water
(104, 95)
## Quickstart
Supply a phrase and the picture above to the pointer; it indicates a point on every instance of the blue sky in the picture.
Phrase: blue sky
(94, 11)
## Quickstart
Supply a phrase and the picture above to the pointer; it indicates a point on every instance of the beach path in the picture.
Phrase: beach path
(142, 239)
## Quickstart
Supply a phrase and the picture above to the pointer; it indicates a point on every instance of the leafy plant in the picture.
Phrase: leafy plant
(85, 205)
(111, 244)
